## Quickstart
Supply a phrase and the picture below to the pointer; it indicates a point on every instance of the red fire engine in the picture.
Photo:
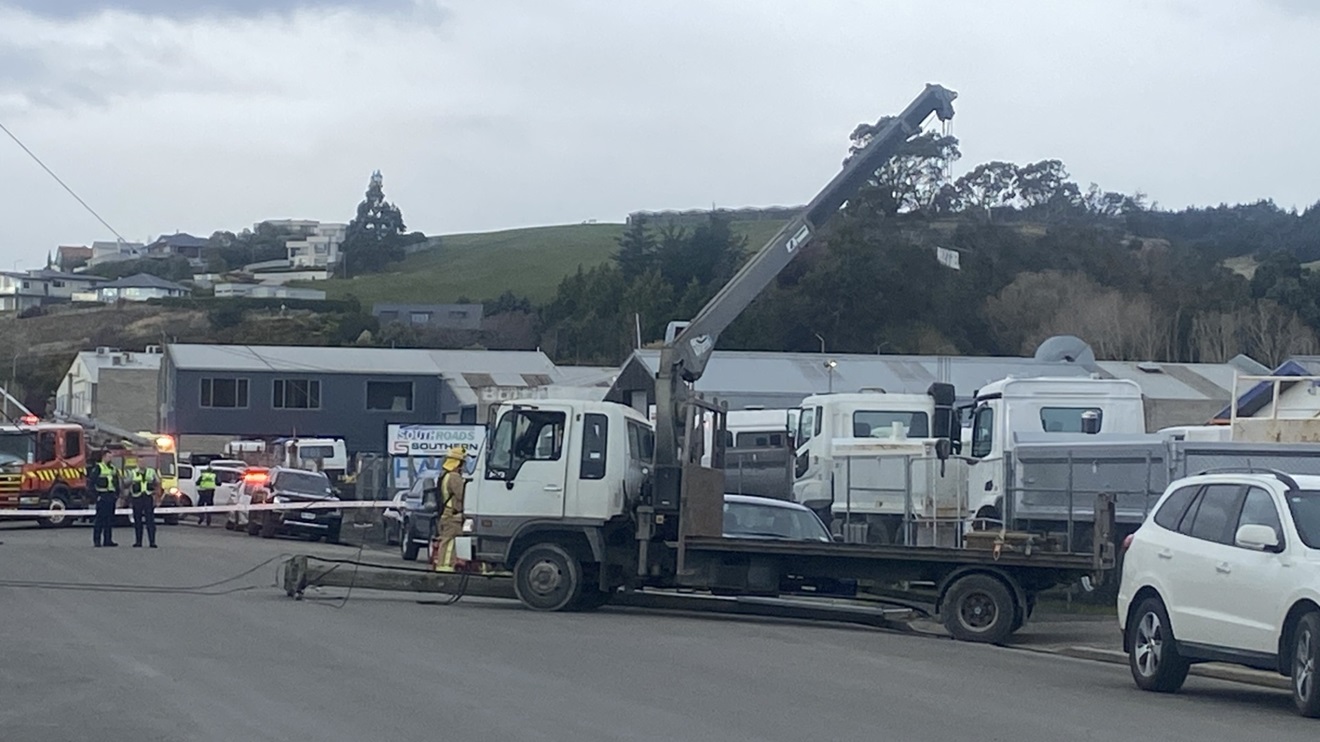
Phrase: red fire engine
(43, 467)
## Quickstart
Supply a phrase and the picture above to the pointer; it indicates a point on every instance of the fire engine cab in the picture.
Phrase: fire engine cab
(43, 467)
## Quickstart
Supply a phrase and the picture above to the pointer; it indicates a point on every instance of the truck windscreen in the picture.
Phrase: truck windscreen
(16, 448)
(312, 453)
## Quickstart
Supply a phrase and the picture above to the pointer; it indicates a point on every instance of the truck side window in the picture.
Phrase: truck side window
(1067, 419)
(72, 444)
(595, 436)
(641, 443)
(983, 432)
(46, 446)
(522, 436)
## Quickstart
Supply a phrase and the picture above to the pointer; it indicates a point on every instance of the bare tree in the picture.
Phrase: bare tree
(1274, 333)
(1217, 336)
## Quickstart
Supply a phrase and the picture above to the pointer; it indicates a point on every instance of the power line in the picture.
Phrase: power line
(52, 174)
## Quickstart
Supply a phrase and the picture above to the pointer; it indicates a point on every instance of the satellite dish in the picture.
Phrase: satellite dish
(1065, 348)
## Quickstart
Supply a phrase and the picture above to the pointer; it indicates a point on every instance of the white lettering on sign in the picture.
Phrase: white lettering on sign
(432, 440)
(506, 393)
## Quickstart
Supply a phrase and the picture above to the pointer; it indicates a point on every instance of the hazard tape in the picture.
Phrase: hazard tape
(198, 509)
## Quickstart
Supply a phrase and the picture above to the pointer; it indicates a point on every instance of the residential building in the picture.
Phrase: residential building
(435, 316)
(319, 249)
(67, 257)
(179, 243)
(20, 291)
(140, 287)
(115, 387)
(112, 252)
(213, 393)
(62, 286)
(266, 291)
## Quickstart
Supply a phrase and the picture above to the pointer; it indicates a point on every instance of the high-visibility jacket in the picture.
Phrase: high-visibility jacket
(206, 481)
(104, 478)
(140, 481)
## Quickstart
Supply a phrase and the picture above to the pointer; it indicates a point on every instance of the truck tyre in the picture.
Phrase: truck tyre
(1305, 663)
(59, 500)
(1153, 654)
(547, 578)
(269, 525)
(979, 608)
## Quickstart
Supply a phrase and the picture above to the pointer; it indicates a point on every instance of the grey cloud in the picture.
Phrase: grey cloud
(198, 8)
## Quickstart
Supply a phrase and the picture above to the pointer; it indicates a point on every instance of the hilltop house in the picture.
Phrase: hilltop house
(140, 287)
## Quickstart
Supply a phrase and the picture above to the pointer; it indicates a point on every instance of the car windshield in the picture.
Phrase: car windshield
(772, 521)
(15, 448)
(307, 483)
(1305, 507)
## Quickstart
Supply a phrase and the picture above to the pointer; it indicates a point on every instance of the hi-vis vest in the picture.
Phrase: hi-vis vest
(206, 481)
(105, 478)
(140, 481)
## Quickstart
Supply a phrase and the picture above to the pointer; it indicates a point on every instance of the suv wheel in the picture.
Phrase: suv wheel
(1153, 657)
(1306, 660)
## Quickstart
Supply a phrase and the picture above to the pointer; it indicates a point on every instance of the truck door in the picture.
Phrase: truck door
(527, 454)
(986, 479)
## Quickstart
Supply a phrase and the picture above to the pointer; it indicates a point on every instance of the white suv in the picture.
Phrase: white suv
(1226, 569)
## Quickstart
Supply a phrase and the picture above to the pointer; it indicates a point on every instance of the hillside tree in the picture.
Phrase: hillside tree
(377, 235)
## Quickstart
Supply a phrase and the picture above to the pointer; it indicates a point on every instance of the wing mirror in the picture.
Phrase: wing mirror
(1257, 537)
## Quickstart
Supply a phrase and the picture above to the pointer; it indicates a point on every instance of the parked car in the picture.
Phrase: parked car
(241, 492)
(748, 516)
(225, 474)
(286, 485)
(412, 525)
(1226, 568)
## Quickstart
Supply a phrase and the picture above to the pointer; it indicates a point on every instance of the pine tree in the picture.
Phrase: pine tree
(373, 239)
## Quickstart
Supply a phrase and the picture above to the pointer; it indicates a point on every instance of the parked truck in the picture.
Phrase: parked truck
(569, 499)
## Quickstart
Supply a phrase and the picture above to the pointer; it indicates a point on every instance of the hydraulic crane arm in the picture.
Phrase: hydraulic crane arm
(693, 344)
(684, 358)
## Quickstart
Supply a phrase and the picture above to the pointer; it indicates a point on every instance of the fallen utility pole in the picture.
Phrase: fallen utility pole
(303, 572)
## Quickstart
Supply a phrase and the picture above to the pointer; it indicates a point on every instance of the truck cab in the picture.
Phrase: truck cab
(826, 419)
(568, 466)
(1010, 406)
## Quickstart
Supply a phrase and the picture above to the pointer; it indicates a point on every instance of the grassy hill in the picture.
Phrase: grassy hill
(530, 262)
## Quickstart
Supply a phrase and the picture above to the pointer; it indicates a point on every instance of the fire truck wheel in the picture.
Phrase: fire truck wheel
(59, 500)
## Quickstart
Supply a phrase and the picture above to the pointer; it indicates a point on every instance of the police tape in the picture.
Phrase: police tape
(200, 509)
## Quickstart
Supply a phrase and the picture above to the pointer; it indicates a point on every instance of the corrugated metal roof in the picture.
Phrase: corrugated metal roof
(749, 373)
(1181, 381)
(753, 372)
(506, 366)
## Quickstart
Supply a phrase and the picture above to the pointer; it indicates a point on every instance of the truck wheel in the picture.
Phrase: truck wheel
(268, 526)
(59, 500)
(979, 608)
(547, 578)
(1306, 660)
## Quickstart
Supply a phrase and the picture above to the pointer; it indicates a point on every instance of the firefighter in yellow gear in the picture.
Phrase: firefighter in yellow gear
(452, 487)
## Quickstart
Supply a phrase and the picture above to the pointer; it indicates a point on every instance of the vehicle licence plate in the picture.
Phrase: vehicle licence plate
(308, 515)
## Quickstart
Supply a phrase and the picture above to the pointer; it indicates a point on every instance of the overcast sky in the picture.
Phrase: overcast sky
(484, 114)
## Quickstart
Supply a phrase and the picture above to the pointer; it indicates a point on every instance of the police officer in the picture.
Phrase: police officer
(205, 494)
(103, 481)
(142, 485)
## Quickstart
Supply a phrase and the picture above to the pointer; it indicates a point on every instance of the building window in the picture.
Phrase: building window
(57, 284)
(390, 396)
(297, 394)
(224, 392)
(420, 318)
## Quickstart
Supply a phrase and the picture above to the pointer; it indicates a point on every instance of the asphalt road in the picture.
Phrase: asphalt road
(255, 665)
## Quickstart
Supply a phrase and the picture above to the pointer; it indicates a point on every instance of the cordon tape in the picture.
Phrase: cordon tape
(196, 509)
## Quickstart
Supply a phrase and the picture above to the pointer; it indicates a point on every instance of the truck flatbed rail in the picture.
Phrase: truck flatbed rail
(1008, 557)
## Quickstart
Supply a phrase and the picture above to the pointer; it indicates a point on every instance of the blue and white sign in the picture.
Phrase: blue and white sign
(432, 440)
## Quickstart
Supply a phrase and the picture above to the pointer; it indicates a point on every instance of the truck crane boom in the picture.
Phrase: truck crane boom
(683, 359)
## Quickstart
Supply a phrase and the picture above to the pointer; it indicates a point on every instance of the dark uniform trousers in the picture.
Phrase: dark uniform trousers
(104, 519)
(144, 515)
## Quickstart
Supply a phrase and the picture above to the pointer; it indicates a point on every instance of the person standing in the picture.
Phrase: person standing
(452, 488)
(103, 482)
(142, 484)
(206, 494)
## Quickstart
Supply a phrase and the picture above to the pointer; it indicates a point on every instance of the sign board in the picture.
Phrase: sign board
(948, 258)
(417, 451)
(432, 440)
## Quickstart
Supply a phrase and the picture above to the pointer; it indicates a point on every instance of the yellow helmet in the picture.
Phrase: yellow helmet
(454, 458)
